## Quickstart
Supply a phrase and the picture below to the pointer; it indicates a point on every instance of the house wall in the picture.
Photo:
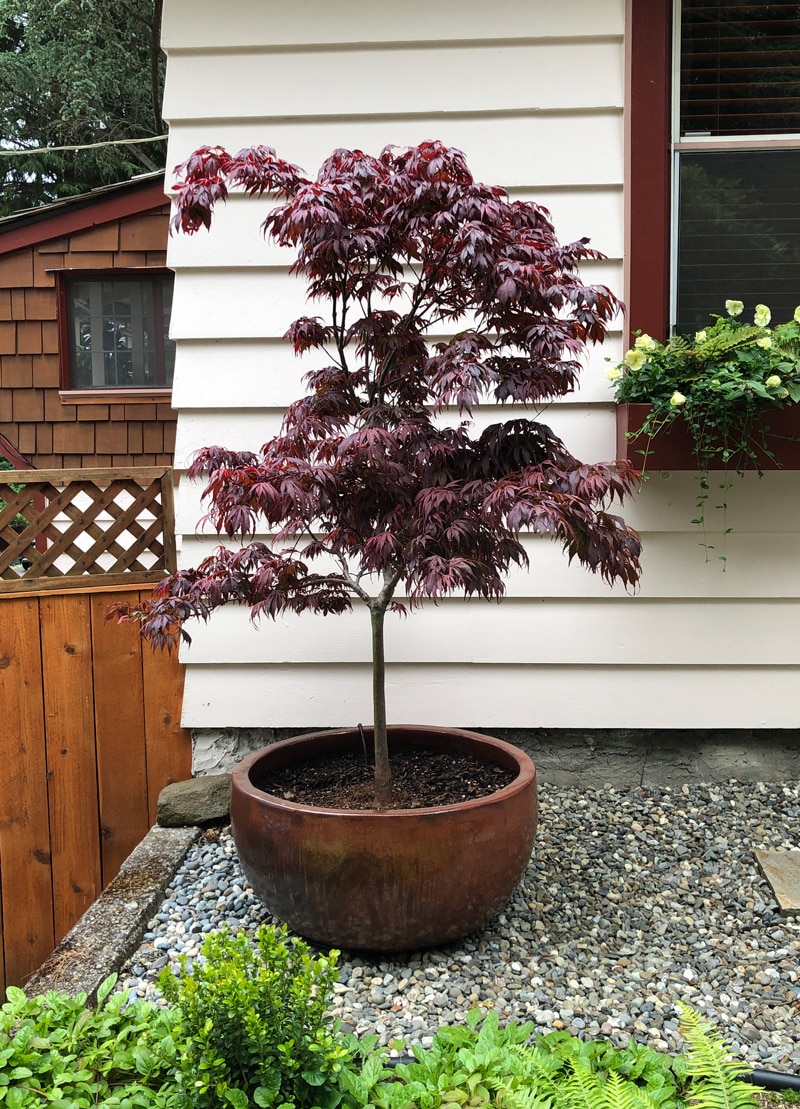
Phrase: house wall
(51, 432)
(533, 92)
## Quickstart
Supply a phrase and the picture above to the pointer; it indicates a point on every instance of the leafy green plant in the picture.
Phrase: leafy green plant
(483, 1065)
(54, 1051)
(18, 521)
(252, 1019)
(722, 382)
(719, 382)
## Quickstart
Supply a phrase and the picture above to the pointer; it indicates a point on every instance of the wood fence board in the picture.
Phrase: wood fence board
(27, 892)
(97, 474)
(79, 584)
(93, 726)
(120, 724)
(169, 746)
(71, 763)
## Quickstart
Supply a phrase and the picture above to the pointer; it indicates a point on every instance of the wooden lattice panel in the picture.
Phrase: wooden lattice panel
(63, 528)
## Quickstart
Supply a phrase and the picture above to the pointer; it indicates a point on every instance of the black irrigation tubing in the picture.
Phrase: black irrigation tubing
(773, 1080)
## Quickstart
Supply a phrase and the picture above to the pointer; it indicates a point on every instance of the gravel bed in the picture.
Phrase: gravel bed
(633, 900)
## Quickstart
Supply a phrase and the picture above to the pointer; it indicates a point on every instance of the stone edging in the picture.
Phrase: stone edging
(112, 927)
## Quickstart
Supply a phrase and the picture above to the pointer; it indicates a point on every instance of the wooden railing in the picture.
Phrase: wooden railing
(63, 529)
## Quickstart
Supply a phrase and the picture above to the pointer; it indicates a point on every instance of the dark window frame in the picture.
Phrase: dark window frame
(63, 280)
(648, 166)
(650, 153)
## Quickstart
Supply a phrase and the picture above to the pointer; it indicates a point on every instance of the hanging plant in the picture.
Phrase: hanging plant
(725, 386)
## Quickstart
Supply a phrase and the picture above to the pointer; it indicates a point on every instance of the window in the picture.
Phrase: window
(712, 160)
(115, 330)
(738, 158)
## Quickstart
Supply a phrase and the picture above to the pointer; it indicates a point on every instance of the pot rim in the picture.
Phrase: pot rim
(526, 775)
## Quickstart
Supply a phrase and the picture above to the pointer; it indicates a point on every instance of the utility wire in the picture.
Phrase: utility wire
(85, 146)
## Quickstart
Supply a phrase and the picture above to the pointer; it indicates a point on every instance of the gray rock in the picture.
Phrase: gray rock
(200, 800)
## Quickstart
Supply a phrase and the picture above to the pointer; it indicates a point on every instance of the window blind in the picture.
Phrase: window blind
(740, 68)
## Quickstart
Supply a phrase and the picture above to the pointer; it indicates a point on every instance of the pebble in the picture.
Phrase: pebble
(633, 901)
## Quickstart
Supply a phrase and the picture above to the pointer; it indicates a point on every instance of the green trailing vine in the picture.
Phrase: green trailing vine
(722, 383)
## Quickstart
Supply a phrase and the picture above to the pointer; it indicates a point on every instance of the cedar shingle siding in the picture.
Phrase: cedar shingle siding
(51, 433)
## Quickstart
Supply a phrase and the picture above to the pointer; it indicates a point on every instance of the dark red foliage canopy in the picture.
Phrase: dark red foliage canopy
(436, 293)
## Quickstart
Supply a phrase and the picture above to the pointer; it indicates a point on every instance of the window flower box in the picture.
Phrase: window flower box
(724, 398)
(673, 447)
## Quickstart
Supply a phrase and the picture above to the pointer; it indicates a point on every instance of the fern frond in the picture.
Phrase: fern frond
(529, 1097)
(730, 340)
(716, 1076)
(584, 1089)
(619, 1093)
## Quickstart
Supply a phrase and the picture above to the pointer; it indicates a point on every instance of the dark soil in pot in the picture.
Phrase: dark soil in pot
(420, 779)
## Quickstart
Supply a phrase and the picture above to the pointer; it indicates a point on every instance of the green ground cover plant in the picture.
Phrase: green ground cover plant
(248, 1025)
(56, 1052)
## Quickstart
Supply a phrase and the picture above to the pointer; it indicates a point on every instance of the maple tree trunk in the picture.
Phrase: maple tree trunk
(383, 771)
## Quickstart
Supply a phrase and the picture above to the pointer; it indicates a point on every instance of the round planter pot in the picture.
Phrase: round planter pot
(384, 881)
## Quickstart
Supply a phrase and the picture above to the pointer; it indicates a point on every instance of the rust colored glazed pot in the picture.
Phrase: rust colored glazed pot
(384, 881)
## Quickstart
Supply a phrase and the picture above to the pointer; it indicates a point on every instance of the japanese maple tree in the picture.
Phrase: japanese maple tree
(436, 293)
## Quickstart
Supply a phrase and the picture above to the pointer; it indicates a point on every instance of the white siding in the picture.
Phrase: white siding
(533, 93)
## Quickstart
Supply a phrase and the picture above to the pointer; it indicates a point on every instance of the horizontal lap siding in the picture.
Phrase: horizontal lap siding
(242, 25)
(550, 696)
(526, 631)
(532, 92)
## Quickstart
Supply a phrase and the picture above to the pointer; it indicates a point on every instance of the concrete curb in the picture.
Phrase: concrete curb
(112, 927)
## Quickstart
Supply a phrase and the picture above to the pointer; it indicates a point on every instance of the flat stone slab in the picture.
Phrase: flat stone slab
(782, 871)
(112, 927)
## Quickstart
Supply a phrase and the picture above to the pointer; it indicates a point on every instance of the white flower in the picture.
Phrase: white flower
(764, 341)
(782, 394)
(614, 373)
(645, 342)
(762, 315)
(677, 399)
(797, 313)
(734, 307)
(700, 336)
(635, 359)
(773, 381)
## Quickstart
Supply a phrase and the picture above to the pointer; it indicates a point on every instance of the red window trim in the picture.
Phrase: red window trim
(648, 100)
(64, 369)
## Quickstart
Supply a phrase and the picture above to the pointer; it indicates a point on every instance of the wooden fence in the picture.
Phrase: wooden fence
(90, 729)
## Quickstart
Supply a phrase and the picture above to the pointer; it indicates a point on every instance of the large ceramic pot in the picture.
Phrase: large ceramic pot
(384, 881)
